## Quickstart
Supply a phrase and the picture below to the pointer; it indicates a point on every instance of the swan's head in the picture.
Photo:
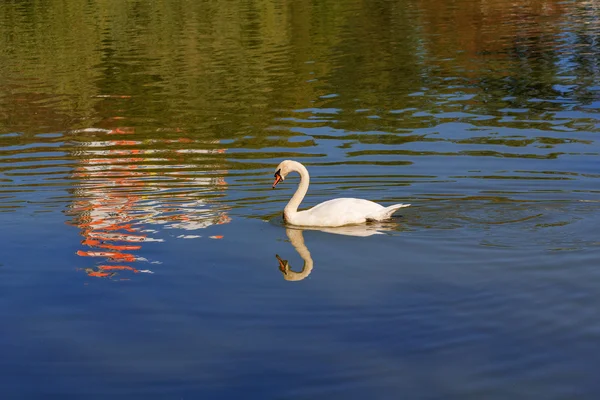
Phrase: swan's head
(289, 274)
(284, 266)
(282, 170)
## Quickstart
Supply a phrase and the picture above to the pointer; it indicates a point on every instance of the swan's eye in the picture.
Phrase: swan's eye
(277, 173)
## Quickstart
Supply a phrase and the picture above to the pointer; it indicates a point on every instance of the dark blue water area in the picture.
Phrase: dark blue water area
(217, 319)
(143, 253)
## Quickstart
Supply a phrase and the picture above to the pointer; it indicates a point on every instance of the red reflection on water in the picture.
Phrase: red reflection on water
(119, 200)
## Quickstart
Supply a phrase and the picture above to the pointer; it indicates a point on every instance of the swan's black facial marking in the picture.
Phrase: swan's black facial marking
(278, 178)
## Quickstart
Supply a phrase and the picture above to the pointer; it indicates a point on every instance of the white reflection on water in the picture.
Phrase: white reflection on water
(296, 238)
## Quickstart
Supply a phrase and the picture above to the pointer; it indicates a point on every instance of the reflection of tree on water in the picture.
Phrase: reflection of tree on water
(123, 190)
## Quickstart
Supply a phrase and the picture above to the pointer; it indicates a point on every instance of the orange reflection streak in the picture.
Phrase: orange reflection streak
(100, 271)
(102, 245)
(114, 203)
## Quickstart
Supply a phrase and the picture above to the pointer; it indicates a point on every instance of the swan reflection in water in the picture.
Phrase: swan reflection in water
(296, 238)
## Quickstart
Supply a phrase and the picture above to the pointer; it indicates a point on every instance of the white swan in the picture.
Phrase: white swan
(336, 212)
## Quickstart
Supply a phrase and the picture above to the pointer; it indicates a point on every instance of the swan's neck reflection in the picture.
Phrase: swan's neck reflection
(297, 240)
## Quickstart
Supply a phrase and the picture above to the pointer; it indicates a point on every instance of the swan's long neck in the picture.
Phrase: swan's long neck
(292, 206)
(297, 241)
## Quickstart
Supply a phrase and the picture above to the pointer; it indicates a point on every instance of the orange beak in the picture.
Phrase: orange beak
(277, 180)
(281, 264)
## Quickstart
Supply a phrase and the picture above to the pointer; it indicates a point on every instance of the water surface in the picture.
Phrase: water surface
(137, 147)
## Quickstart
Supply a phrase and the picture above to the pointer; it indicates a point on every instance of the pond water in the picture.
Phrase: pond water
(138, 142)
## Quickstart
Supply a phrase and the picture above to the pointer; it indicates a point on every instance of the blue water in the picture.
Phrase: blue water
(140, 233)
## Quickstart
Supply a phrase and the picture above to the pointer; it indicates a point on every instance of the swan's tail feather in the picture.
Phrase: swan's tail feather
(386, 212)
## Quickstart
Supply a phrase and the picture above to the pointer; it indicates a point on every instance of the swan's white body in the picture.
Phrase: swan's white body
(331, 213)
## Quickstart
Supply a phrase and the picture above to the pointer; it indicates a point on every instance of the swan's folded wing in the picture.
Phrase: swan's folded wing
(385, 212)
(338, 212)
